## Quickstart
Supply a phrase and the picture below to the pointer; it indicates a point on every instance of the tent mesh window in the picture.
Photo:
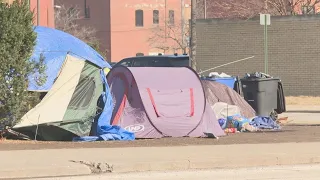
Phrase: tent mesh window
(83, 93)
(82, 108)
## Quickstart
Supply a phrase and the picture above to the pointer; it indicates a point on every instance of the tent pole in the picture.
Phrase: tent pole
(36, 134)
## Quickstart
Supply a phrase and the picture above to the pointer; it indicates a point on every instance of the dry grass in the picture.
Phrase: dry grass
(302, 100)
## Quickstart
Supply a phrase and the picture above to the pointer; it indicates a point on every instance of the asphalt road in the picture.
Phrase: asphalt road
(301, 172)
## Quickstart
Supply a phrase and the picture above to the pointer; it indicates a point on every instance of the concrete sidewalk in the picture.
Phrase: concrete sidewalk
(303, 108)
(69, 162)
(298, 114)
(292, 172)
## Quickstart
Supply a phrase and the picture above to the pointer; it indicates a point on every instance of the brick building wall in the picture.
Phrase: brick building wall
(46, 12)
(294, 54)
(114, 21)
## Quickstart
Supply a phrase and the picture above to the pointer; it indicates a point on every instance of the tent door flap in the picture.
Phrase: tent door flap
(172, 103)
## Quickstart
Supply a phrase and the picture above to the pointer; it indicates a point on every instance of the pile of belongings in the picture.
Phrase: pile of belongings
(231, 120)
(238, 123)
(256, 75)
(217, 75)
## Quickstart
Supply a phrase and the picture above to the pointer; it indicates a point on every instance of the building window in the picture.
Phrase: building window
(83, 93)
(171, 17)
(155, 16)
(87, 12)
(139, 18)
(308, 9)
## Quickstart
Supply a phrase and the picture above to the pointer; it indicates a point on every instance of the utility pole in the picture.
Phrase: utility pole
(265, 20)
(193, 42)
(38, 12)
(205, 9)
(166, 20)
(266, 5)
(182, 25)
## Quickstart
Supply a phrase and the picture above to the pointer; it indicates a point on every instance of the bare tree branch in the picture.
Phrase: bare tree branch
(231, 9)
(245, 9)
(292, 7)
(169, 36)
(66, 19)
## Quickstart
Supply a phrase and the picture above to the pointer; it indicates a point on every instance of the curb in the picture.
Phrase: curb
(213, 163)
(44, 172)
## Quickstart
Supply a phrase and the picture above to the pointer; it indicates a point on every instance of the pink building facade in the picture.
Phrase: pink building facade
(46, 11)
(125, 26)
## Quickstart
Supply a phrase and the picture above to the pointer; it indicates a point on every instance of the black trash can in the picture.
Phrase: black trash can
(261, 94)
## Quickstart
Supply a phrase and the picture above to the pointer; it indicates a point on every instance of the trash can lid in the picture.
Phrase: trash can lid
(260, 79)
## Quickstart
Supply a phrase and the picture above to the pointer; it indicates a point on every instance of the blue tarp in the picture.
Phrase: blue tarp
(264, 123)
(228, 81)
(55, 45)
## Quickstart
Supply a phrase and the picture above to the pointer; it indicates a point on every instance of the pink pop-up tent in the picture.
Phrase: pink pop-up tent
(155, 102)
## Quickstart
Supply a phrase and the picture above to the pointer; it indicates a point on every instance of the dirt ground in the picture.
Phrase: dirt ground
(302, 100)
(288, 134)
